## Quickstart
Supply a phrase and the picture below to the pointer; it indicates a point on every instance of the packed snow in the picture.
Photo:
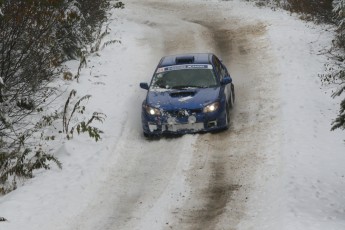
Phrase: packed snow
(288, 171)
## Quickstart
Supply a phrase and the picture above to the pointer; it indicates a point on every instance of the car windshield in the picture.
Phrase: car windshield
(184, 78)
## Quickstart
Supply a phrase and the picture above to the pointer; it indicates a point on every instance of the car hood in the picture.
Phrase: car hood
(194, 98)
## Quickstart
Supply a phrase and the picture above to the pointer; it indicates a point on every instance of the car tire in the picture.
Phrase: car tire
(233, 93)
(227, 118)
(151, 135)
(232, 97)
(231, 100)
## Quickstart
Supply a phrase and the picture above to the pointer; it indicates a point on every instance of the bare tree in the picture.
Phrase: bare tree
(36, 36)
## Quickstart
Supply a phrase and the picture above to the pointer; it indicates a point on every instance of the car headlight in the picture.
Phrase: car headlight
(152, 111)
(211, 107)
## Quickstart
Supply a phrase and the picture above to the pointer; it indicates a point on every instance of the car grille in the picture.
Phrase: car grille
(183, 112)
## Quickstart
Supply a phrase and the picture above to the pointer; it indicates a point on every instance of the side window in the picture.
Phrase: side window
(226, 73)
(217, 67)
(220, 70)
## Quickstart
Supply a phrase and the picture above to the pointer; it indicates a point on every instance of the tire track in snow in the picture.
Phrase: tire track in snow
(211, 188)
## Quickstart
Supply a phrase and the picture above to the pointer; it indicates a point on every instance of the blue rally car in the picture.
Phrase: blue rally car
(188, 93)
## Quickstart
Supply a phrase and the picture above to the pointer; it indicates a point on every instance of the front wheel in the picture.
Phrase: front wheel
(151, 135)
(233, 93)
(227, 114)
(232, 96)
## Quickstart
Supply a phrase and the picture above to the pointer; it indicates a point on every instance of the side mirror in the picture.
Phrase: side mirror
(226, 80)
(144, 85)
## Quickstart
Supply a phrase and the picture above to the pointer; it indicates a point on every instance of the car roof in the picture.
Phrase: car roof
(188, 58)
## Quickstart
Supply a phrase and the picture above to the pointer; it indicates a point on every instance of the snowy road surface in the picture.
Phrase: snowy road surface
(277, 167)
(203, 181)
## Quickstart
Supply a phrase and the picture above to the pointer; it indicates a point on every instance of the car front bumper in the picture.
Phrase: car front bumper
(199, 122)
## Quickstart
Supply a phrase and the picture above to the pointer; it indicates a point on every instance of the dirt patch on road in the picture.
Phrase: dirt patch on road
(221, 181)
(210, 194)
(226, 38)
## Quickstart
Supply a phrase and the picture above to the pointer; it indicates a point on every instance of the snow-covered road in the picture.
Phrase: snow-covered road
(201, 181)
(268, 171)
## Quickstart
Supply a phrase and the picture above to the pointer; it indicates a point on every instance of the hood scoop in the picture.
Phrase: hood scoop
(183, 94)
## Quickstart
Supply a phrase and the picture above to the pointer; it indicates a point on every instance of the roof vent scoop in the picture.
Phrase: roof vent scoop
(185, 60)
